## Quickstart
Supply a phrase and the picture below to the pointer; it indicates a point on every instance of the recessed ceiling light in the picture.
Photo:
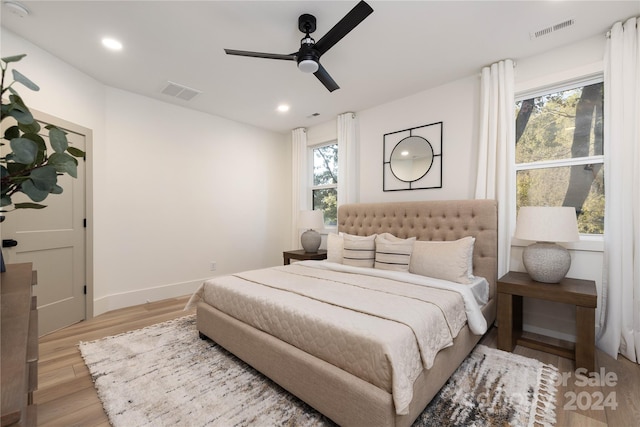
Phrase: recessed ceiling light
(404, 153)
(112, 44)
(283, 108)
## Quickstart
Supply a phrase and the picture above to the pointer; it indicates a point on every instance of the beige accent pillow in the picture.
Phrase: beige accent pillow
(335, 243)
(359, 251)
(393, 253)
(451, 261)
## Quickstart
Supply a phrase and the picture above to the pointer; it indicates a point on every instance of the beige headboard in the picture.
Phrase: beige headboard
(432, 220)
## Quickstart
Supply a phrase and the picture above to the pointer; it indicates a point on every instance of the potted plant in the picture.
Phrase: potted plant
(30, 167)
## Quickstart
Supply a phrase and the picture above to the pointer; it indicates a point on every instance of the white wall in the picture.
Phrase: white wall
(187, 188)
(453, 104)
(173, 189)
(456, 105)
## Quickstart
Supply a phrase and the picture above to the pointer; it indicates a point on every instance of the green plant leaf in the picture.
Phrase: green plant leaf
(13, 91)
(64, 163)
(11, 132)
(14, 58)
(21, 78)
(24, 150)
(17, 103)
(17, 109)
(57, 189)
(44, 179)
(16, 169)
(42, 146)
(24, 117)
(33, 127)
(76, 152)
(28, 205)
(32, 192)
(58, 139)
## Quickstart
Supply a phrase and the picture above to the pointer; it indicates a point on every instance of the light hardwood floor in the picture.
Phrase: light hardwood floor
(66, 396)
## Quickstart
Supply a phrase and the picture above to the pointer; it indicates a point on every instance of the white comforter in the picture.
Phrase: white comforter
(381, 326)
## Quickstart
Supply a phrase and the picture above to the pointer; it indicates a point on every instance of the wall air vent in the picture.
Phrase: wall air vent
(180, 91)
(551, 29)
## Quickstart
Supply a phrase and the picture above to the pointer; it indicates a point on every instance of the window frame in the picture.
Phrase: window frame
(588, 242)
(310, 176)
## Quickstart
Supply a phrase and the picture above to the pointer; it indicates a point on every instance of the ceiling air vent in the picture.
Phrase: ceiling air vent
(180, 91)
(551, 29)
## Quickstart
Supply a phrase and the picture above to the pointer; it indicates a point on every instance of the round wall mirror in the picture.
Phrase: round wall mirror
(411, 158)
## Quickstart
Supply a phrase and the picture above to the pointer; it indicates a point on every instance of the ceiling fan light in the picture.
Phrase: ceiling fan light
(308, 66)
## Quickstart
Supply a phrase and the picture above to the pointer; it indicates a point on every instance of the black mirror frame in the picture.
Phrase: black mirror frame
(432, 133)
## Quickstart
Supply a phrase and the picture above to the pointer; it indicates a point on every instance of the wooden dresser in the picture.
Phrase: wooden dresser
(19, 375)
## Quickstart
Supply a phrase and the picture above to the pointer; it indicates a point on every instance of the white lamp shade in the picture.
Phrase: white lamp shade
(547, 224)
(311, 220)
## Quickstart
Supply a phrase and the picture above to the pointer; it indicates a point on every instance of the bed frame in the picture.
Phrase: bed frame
(341, 396)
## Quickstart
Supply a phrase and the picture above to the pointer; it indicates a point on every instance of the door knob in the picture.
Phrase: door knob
(9, 243)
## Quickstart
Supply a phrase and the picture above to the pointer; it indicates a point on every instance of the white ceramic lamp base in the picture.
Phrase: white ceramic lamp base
(546, 262)
(310, 240)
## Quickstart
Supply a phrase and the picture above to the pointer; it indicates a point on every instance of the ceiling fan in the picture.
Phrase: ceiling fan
(308, 56)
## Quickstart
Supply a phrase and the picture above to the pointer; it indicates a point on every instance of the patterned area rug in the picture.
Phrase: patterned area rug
(165, 375)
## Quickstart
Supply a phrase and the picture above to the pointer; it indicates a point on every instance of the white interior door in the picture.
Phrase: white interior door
(53, 239)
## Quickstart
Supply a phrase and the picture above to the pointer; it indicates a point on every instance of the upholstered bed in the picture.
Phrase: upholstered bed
(356, 373)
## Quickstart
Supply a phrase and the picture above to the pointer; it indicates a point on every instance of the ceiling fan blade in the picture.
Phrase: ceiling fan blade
(289, 57)
(343, 27)
(326, 79)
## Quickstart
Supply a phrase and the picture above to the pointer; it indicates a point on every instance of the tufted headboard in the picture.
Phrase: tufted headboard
(432, 220)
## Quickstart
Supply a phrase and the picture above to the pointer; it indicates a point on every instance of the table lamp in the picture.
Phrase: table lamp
(312, 221)
(545, 261)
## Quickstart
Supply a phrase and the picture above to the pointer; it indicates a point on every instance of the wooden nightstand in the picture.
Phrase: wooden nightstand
(301, 255)
(581, 293)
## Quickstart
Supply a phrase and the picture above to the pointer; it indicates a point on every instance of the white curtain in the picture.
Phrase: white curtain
(620, 332)
(496, 151)
(347, 161)
(298, 181)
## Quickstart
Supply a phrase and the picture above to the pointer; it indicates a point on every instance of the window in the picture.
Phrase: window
(324, 187)
(559, 151)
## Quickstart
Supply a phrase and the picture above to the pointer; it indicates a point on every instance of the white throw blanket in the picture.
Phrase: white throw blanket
(477, 322)
(381, 326)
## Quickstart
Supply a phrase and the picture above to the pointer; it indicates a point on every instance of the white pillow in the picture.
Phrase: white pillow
(359, 251)
(451, 261)
(335, 243)
(393, 253)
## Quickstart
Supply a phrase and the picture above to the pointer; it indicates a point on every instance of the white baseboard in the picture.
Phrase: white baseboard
(143, 296)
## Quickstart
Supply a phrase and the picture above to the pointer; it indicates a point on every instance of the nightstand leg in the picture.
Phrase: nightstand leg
(517, 318)
(585, 338)
(509, 320)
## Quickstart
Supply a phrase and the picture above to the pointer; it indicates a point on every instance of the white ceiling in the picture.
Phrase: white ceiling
(403, 47)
